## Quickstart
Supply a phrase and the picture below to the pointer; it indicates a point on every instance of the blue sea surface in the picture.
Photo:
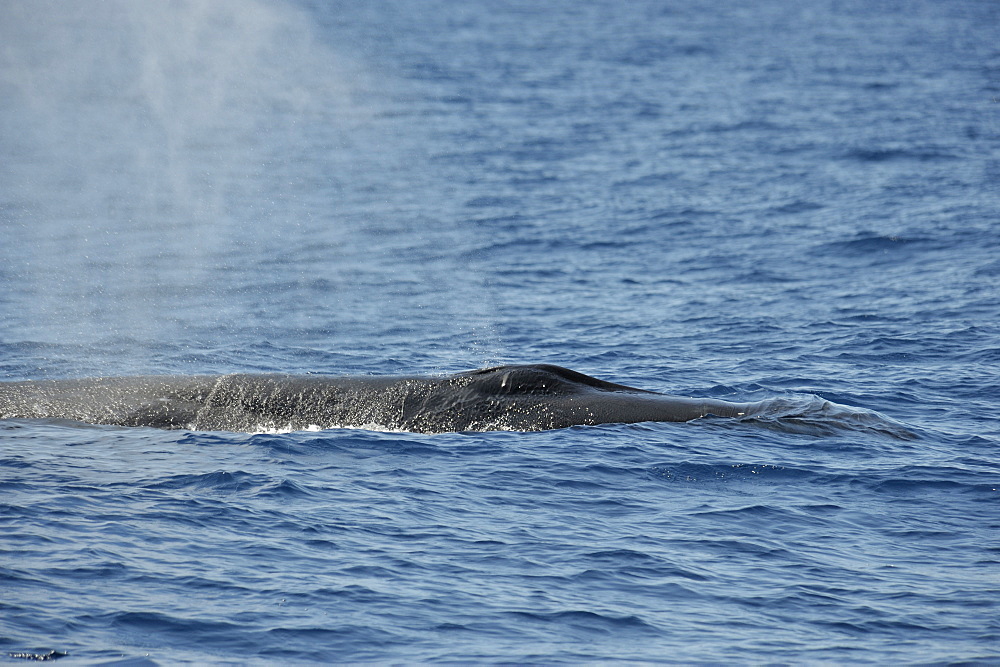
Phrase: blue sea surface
(789, 201)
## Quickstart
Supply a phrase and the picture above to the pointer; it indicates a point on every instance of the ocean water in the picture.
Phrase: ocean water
(790, 201)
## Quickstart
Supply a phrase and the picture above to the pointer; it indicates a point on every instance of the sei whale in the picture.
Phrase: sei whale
(516, 398)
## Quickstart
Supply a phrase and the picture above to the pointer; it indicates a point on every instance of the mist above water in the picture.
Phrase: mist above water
(141, 141)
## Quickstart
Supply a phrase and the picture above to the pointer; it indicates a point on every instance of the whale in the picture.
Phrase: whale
(531, 397)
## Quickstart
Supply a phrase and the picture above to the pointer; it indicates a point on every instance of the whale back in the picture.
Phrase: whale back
(523, 398)
(160, 401)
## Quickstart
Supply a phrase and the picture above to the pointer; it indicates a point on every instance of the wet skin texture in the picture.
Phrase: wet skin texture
(520, 398)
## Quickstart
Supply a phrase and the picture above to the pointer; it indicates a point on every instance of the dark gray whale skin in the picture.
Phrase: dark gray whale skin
(516, 398)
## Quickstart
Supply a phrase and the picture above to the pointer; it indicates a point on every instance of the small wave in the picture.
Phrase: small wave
(922, 480)
(688, 471)
(222, 481)
(795, 207)
(887, 154)
(874, 246)
(589, 621)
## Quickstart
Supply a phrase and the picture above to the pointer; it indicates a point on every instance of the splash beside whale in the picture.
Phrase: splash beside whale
(516, 398)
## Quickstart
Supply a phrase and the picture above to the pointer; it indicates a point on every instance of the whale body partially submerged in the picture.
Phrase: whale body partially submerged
(516, 398)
